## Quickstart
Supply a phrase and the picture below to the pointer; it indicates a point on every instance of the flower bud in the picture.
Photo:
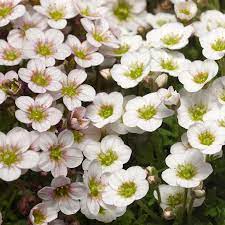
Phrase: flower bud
(161, 80)
(168, 214)
(198, 193)
(153, 180)
(106, 73)
(151, 170)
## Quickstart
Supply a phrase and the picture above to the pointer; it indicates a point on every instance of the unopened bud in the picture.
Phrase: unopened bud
(106, 73)
(168, 214)
(198, 193)
(161, 80)
(153, 180)
(151, 170)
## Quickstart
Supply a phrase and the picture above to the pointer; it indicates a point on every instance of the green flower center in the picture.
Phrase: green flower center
(122, 10)
(135, 72)
(80, 54)
(222, 96)
(201, 77)
(40, 79)
(62, 191)
(186, 171)
(197, 112)
(27, 26)
(78, 136)
(85, 12)
(69, 90)
(175, 200)
(221, 123)
(122, 49)
(37, 114)
(161, 22)
(95, 187)
(219, 45)
(5, 11)
(98, 37)
(185, 11)
(147, 112)
(106, 111)
(56, 153)
(44, 49)
(39, 217)
(107, 158)
(206, 138)
(11, 55)
(168, 64)
(171, 39)
(8, 157)
(127, 189)
(56, 15)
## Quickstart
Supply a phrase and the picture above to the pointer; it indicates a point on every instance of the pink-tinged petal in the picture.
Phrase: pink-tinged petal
(10, 173)
(54, 115)
(44, 100)
(93, 206)
(63, 51)
(54, 73)
(24, 103)
(77, 190)
(54, 36)
(88, 25)
(77, 76)
(46, 193)
(42, 126)
(71, 103)
(73, 41)
(11, 75)
(2, 96)
(66, 138)
(60, 181)
(36, 65)
(45, 163)
(25, 74)
(22, 116)
(69, 206)
(96, 58)
(47, 140)
(59, 169)
(29, 160)
(59, 24)
(19, 138)
(86, 93)
(18, 11)
(2, 140)
(73, 157)
(35, 34)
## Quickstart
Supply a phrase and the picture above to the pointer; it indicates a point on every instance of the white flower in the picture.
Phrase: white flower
(105, 215)
(57, 12)
(218, 89)
(95, 182)
(187, 169)
(185, 10)
(111, 153)
(146, 112)
(41, 214)
(89, 9)
(85, 55)
(198, 74)
(213, 44)
(37, 112)
(46, 45)
(171, 36)
(10, 54)
(73, 91)
(209, 20)
(126, 186)
(161, 18)
(10, 10)
(81, 137)
(132, 70)
(30, 19)
(171, 62)
(106, 108)
(169, 96)
(195, 107)
(181, 147)
(127, 43)
(125, 14)
(39, 78)
(58, 153)
(174, 197)
(98, 33)
(63, 195)
(207, 137)
(5, 81)
(15, 155)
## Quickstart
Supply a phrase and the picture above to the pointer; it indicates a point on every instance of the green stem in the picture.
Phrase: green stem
(185, 203)
(190, 208)
(148, 211)
(159, 195)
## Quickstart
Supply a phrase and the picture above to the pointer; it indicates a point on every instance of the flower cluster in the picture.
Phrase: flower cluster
(80, 77)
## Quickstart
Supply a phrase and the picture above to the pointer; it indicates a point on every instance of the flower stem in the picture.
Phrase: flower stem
(184, 203)
(190, 208)
(159, 195)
